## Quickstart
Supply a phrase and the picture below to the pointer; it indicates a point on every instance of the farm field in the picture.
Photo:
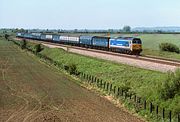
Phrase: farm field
(151, 44)
(33, 91)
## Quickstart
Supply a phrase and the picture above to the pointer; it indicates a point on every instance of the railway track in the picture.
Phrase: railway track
(148, 58)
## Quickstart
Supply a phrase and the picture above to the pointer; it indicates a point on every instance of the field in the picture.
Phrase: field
(144, 83)
(32, 91)
(151, 44)
(152, 41)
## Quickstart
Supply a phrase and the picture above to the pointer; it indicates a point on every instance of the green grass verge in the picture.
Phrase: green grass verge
(144, 83)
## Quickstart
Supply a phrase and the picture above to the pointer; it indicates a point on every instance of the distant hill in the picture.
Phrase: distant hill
(156, 29)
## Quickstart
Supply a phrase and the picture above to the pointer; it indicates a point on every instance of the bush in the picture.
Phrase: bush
(72, 69)
(23, 44)
(38, 48)
(169, 47)
(171, 86)
(125, 88)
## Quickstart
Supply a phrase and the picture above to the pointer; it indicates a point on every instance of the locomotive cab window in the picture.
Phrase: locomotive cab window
(136, 41)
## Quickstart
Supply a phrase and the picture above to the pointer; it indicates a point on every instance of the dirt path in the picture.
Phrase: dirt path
(33, 92)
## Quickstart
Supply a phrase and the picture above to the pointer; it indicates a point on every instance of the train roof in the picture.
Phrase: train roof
(127, 38)
(101, 37)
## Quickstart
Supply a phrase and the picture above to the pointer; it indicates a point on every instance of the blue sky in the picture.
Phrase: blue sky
(89, 14)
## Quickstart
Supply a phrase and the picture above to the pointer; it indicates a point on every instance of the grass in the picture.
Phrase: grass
(144, 83)
(152, 41)
(151, 44)
(162, 54)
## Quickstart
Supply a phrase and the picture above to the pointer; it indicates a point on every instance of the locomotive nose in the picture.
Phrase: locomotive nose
(137, 47)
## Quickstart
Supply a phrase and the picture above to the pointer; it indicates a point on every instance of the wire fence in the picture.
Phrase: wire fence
(139, 103)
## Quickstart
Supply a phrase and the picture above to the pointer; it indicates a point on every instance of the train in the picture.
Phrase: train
(126, 45)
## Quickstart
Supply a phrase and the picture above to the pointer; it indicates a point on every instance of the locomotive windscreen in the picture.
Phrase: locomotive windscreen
(136, 41)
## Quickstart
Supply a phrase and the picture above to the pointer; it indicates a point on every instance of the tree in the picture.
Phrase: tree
(75, 30)
(23, 44)
(6, 36)
(22, 30)
(110, 30)
(127, 29)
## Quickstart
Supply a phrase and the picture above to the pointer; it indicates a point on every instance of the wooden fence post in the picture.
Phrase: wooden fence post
(86, 76)
(110, 87)
(163, 113)
(104, 85)
(101, 84)
(157, 110)
(107, 86)
(151, 107)
(95, 79)
(144, 104)
(170, 115)
(81, 73)
(92, 80)
(134, 98)
(114, 89)
(139, 101)
(125, 94)
(97, 82)
(118, 91)
(89, 79)
(122, 92)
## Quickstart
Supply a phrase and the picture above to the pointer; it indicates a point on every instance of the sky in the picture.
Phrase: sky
(88, 14)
